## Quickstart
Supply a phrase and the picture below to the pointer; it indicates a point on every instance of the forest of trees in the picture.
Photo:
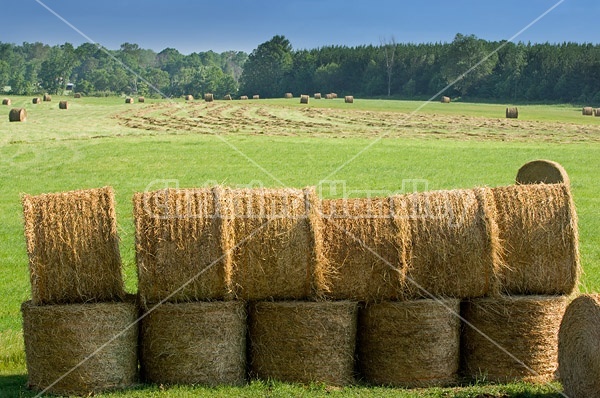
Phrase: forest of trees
(501, 71)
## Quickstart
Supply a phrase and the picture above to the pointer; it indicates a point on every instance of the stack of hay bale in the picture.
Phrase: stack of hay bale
(79, 328)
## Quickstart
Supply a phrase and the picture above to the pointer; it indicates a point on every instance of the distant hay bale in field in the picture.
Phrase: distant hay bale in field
(6, 101)
(73, 247)
(36, 100)
(227, 97)
(512, 113)
(77, 95)
(588, 111)
(328, 96)
(289, 95)
(276, 250)
(317, 96)
(189, 97)
(83, 348)
(129, 100)
(525, 326)
(349, 99)
(445, 100)
(366, 244)
(244, 97)
(334, 95)
(63, 105)
(141, 99)
(538, 228)
(455, 245)
(597, 112)
(47, 98)
(303, 342)
(209, 97)
(409, 344)
(180, 247)
(17, 115)
(304, 99)
(256, 96)
(579, 347)
(542, 172)
(194, 343)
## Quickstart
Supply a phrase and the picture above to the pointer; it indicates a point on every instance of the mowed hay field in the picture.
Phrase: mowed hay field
(371, 147)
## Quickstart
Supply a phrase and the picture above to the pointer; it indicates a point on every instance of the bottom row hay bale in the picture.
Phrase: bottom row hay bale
(526, 327)
(410, 344)
(80, 348)
(194, 343)
(303, 342)
(579, 347)
(17, 115)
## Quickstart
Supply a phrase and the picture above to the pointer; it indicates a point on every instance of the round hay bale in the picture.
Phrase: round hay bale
(181, 253)
(542, 172)
(63, 105)
(194, 343)
(77, 95)
(47, 98)
(129, 100)
(524, 326)
(244, 97)
(410, 344)
(275, 252)
(317, 96)
(334, 95)
(445, 100)
(538, 230)
(512, 113)
(189, 97)
(73, 247)
(288, 95)
(367, 245)
(455, 244)
(80, 349)
(36, 100)
(256, 96)
(209, 97)
(588, 111)
(597, 112)
(141, 99)
(303, 342)
(227, 97)
(328, 96)
(304, 99)
(349, 99)
(579, 347)
(6, 101)
(17, 115)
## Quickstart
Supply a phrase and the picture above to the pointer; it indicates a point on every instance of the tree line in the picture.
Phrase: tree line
(469, 67)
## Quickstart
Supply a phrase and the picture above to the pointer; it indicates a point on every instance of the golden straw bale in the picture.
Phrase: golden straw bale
(36, 100)
(303, 342)
(304, 99)
(525, 327)
(334, 95)
(80, 349)
(317, 96)
(597, 112)
(445, 100)
(209, 97)
(189, 97)
(47, 98)
(6, 101)
(17, 115)
(349, 99)
(244, 97)
(366, 243)
(579, 347)
(194, 343)
(328, 96)
(141, 99)
(73, 247)
(77, 95)
(256, 96)
(227, 97)
(587, 111)
(542, 171)
(288, 95)
(180, 248)
(538, 228)
(512, 113)
(410, 344)
(129, 100)
(63, 105)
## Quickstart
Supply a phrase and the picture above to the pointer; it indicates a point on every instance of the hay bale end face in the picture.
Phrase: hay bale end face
(36, 100)
(141, 99)
(73, 247)
(304, 99)
(512, 113)
(189, 97)
(129, 100)
(445, 100)
(525, 326)
(410, 344)
(542, 172)
(579, 347)
(303, 342)
(17, 115)
(6, 101)
(194, 343)
(59, 337)
(209, 97)
(349, 99)
(47, 98)
(588, 111)
(317, 96)
(63, 105)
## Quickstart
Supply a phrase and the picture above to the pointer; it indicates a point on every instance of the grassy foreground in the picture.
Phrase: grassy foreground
(88, 146)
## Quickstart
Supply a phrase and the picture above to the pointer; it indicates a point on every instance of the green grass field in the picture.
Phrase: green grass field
(369, 148)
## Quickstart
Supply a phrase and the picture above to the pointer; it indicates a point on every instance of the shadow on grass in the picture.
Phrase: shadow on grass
(14, 386)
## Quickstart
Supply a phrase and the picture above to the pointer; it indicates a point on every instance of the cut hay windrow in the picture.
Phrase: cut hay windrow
(512, 113)
(348, 99)
(366, 243)
(579, 347)
(180, 248)
(409, 344)
(445, 100)
(587, 111)
(194, 343)
(6, 101)
(538, 229)
(276, 249)
(524, 326)
(58, 338)
(73, 247)
(47, 98)
(63, 105)
(303, 342)
(17, 115)
(304, 99)
(455, 245)
(542, 172)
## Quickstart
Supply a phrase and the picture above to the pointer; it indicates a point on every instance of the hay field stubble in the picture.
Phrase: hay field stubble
(134, 147)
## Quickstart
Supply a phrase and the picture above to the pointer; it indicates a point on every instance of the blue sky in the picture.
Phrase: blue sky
(222, 25)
